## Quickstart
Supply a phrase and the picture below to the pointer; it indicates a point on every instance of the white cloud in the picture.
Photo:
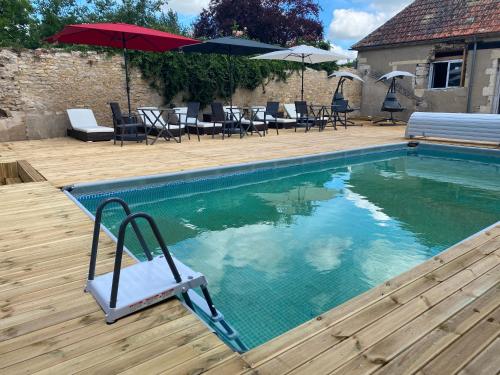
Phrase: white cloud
(351, 24)
(391, 6)
(350, 54)
(324, 254)
(187, 7)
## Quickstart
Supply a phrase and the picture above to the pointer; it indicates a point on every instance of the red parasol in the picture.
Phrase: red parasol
(121, 35)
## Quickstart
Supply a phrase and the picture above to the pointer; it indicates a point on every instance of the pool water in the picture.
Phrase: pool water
(281, 246)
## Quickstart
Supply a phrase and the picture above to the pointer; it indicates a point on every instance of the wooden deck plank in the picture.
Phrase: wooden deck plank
(110, 358)
(88, 344)
(486, 363)
(468, 346)
(193, 351)
(385, 350)
(417, 355)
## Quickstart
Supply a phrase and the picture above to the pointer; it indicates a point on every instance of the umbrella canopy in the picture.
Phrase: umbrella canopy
(395, 74)
(231, 46)
(347, 75)
(121, 35)
(305, 55)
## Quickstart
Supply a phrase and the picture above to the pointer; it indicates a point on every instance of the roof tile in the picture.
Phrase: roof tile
(436, 19)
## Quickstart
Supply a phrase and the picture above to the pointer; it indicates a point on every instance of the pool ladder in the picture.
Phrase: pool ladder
(146, 282)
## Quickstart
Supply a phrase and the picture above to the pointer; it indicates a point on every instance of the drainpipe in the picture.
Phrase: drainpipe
(471, 77)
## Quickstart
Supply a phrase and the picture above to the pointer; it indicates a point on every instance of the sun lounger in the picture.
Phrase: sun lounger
(474, 127)
(85, 128)
(188, 117)
(262, 113)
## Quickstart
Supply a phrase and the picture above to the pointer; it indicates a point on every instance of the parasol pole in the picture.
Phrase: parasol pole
(127, 80)
(302, 84)
(231, 71)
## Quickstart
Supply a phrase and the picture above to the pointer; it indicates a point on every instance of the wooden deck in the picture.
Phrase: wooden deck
(64, 161)
(442, 317)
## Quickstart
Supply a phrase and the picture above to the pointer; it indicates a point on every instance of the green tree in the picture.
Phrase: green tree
(283, 22)
(17, 27)
(53, 15)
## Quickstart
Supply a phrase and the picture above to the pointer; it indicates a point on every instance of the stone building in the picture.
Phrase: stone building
(452, 47)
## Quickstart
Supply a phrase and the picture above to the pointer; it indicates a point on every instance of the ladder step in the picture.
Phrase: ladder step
(141, 285)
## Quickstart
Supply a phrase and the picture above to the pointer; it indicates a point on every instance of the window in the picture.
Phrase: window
(445, 74)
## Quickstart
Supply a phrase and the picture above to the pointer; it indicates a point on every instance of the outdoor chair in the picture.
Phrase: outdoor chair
(391, 105)
(341, 106)
(304, 119)
(127, 127)
(85, 128)
(188, 117)
(220, 119)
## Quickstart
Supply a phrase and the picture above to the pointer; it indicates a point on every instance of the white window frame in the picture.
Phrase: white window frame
(431, 73)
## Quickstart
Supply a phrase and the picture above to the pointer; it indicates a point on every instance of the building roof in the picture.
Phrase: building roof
(425, 20)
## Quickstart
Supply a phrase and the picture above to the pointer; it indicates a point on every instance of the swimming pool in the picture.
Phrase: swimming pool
(284, 241)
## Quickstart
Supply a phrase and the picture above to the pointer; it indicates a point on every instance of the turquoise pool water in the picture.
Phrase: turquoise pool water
(281, 246)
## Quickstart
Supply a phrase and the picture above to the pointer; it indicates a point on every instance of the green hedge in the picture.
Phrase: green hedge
(205, 77)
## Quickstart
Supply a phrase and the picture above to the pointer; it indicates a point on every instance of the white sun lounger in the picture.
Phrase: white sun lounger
(259, 110)
(182, 112)
(85, 128)
(474, 127)
(290, 110)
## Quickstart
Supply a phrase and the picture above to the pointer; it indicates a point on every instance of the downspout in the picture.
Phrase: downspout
(471, 77)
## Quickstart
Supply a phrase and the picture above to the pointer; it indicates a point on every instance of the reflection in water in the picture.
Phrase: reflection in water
(281, 246)
(297, 201)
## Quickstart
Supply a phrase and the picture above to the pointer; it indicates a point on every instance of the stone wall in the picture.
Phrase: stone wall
(318, 89)
(36, 88)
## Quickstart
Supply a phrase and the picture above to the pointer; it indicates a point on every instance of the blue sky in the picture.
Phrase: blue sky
(344, 21)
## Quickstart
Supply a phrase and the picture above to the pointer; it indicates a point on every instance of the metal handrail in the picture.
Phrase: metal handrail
(97, 228)
(131, 219)
(119, 252)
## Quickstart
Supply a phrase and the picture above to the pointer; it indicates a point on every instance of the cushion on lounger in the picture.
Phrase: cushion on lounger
(203, 124)
(84, 120)
(247, 122)
(290, 110)
(260, 116)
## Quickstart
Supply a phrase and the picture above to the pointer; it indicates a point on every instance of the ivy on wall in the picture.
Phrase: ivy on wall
(203, 78)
